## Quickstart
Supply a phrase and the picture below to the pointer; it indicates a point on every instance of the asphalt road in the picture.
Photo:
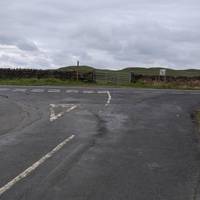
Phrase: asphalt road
(98, 144)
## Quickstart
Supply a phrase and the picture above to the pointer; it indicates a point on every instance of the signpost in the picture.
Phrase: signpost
(163, 73)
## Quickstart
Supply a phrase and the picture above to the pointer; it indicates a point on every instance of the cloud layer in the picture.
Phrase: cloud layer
(114, 33)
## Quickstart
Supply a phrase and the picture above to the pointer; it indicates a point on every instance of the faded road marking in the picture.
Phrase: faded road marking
(66, 107)
(108, 94)
(88, 92)
(37, 90)
(4, 89)
(109, 98)
(25, 173)
(102, 92)
(72, 91)
(20, 90)
(54, 90)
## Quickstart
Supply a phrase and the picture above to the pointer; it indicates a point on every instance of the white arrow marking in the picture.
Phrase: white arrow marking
(66, 107)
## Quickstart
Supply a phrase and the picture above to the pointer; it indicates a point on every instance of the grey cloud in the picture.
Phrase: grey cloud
(21, 43)
(101, 33)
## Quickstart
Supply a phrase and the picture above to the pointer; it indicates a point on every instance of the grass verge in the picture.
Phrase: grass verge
(198, 117)
(41, 82)
(59, 82)
(165, 85)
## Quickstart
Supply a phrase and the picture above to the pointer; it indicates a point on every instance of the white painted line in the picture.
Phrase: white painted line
(102, 92)
(88, 92)
(72, 91)
(183, 93)
(53, 90)
(37, 90)
(109, 98)
(20, 90)
(108, 94)
(4, 89)
(66, 107)
(195, 93)
(33, 167)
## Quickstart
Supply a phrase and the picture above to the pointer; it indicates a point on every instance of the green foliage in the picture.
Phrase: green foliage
(164, 85)
(75, 68)
(59, 82)
(137, 70)
(197, 118)
(40, 82)
(169, 72)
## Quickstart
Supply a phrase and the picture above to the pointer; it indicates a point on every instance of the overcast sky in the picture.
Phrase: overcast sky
(102, 33)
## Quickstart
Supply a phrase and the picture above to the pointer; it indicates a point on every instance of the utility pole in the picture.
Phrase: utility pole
(77, 70)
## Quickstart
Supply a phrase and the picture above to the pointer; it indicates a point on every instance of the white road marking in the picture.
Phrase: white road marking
(72, 91)
(37, 90)
(25, 173)
(66, 107)
(4, 89)
(20, 90)
(195, 93)
(102, 92)
(108, 94)
(109, 98)
(88, 92)
(54, 90)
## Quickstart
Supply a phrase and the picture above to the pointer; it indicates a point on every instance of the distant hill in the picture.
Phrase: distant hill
(136, 70)
(169, 72)
(81, 68)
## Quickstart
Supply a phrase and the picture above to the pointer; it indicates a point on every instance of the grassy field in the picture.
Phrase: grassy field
(197, 117)
(169, 72)
(58, 82)
(110, 78)
(163, 85)
(137, 70)
(41, 82)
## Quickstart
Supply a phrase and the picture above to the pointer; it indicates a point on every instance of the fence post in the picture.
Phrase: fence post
(131, 77)
(77, 75)
(106, 77)
(93, 76)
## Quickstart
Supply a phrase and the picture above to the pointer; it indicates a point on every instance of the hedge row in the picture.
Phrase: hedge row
(7, 73)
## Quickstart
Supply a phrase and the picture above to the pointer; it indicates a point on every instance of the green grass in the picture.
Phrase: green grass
(58, 82)
(40, 82)
(75, 68)
(197, 117)
(169, 72)
(165, 85)
(137, 70)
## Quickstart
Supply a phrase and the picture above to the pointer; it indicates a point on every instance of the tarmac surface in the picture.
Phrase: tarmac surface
(59, 143)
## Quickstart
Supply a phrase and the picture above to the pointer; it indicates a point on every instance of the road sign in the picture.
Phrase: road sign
(162, 72)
